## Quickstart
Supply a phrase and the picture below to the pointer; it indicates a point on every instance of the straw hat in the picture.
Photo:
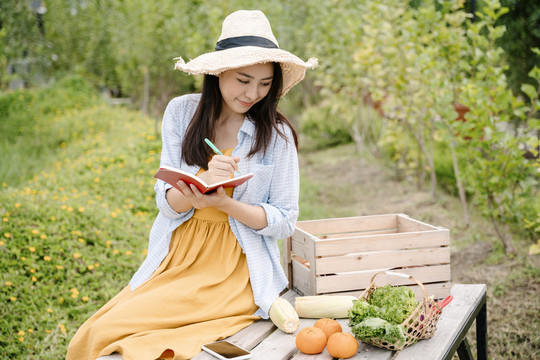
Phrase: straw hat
(247, 39)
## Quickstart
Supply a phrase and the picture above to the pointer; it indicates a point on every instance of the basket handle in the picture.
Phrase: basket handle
(404, 276)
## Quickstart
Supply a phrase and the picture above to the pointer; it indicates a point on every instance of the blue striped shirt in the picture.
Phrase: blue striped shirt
(274, 186)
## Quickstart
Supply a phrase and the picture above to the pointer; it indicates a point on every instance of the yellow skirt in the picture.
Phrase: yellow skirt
(200, 293)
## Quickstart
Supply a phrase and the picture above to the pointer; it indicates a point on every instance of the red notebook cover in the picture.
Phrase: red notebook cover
(172, 176)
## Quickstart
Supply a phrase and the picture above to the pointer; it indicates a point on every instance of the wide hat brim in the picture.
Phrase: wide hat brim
(214, 63)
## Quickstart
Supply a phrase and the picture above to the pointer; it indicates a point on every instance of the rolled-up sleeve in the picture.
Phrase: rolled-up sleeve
(282, 205)
(172, 130)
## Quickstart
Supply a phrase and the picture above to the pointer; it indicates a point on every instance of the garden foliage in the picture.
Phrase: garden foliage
(73, 234)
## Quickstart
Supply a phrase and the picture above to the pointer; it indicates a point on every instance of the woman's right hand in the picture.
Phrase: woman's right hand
(220, 168)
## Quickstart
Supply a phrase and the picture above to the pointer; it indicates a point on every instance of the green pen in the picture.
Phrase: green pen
(216, 150)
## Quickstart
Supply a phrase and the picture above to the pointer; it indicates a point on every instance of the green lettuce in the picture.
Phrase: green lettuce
(395, 303)
(378, 328)
(381, 316)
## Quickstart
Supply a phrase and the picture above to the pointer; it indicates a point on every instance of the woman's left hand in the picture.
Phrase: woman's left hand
(200, 200)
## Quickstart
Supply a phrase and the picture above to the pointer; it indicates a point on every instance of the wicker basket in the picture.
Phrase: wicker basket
(421, 324)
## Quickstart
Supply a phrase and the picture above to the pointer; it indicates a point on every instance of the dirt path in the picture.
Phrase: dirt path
(355, 186)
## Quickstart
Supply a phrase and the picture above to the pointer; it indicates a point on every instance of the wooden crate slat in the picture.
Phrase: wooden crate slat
(406, 224)
(382, 259)
(409, 240)
(361, 279)
(438, 290)
(349, 224)
(303, 244)
(358, 233)
(302, 280)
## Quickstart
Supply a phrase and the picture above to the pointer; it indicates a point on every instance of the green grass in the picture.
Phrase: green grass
(34, 125)
(73, 234)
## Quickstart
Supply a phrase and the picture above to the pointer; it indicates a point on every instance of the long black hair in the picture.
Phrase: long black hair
(264, 114)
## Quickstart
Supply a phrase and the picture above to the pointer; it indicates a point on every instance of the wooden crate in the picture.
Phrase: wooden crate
(339, 256)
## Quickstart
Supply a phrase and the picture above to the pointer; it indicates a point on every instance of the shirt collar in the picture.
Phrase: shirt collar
(248, 126)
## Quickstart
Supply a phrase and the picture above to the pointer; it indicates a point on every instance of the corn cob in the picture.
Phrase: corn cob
(284, 316)
(324, 306)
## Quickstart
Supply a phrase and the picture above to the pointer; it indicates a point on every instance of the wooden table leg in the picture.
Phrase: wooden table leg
(481, 333)
(464, 350)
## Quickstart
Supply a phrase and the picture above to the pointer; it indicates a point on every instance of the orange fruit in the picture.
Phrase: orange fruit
(342, 345)
(329, 326)
(311, 340)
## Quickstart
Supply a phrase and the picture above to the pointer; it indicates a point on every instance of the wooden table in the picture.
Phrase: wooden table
(468, 306)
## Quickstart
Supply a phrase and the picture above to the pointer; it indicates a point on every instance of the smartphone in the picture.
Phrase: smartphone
(226, 351)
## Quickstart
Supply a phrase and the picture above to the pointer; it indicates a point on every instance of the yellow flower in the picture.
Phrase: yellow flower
(62, 328)
(17, 205)
(76, 255)
(21, 339)
(2, 243)
(129, 252)
(23, 258)
(113, 214)
(32, 249)
(32, 270)
(59, 267)
(70, 208)
(49, 310)
(96, 180)
(108, 243)
(7, 235)
(48, 331)
(53, 218)
(84, 298)
(90, 267)
(5, 219)
(13, 298)
(35, 231)
(43, 236)
(34, 279)
(81, 240)
(30, 331)
(8, 283)
(81, 209)
(115, 251)
(20, 333)
(47, 258)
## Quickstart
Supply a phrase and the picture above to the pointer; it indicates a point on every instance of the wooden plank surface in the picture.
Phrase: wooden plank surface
(381, 242)
(452, 320)
(361, 279)
(266, 342)
(382, 259)
(406, 223)
(254, 334)
(348, 224)
(438, 290)
(365, 352)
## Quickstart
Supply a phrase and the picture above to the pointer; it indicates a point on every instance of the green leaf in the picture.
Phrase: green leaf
(530, 91)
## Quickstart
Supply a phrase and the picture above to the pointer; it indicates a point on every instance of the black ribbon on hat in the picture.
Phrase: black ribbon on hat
(245, 41)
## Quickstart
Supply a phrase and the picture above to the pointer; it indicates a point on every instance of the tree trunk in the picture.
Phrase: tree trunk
(459, 184)
(504, 234)
(146, 90)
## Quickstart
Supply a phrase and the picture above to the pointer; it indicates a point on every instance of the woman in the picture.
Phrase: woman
(213, 264)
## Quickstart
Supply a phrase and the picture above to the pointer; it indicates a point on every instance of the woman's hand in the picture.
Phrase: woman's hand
(220, 168)
(199, 200)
